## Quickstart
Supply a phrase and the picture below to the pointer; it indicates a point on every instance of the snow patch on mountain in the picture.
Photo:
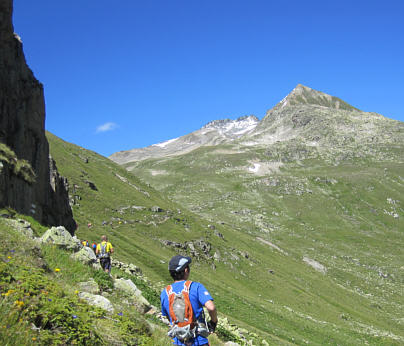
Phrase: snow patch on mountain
(164, 144)
(255, 168)
(231, 128)
(264, 168)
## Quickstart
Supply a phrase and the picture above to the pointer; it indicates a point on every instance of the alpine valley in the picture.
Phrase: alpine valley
(295, 224)
(311, 200)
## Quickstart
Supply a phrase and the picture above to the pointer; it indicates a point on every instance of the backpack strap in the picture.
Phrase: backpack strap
(188, 307)
(187, 285)
(171, 296)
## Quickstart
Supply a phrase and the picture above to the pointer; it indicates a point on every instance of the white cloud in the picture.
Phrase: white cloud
(106, 127)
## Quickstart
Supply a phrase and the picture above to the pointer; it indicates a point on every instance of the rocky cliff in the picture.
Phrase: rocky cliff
(41, 192)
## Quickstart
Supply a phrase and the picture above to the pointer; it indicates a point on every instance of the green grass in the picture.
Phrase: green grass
(335, 215)
(38, 288)
(19, 167)
(308, 209)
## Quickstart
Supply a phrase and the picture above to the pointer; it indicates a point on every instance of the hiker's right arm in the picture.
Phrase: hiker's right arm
(210, 306)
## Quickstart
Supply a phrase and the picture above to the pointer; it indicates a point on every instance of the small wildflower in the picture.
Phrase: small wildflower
(34, 338)
(57, 270)
(74, 316)
(49, 299)
(12, 251)
(120, 313)
(7, 293)
(76, 292)
(20, 303)
(9, 257)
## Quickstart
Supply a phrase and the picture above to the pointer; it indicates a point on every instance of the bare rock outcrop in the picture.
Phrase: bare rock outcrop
(22, 130)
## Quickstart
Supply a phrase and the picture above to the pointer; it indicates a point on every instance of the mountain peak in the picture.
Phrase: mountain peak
(303, 95)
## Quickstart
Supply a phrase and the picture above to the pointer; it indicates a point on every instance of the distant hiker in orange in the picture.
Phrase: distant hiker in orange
(103, 252)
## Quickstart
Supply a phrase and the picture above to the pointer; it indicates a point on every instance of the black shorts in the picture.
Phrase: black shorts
(105, 263)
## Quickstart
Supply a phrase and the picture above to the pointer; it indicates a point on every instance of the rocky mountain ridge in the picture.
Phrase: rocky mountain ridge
(311, 124)
(214, 133)
(41, 192)
(308, 121)
(302, 94)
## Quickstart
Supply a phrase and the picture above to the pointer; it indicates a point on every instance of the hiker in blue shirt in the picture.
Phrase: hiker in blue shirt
(193, 332)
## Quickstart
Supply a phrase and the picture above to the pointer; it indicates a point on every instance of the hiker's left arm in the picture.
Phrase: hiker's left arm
(210, 306)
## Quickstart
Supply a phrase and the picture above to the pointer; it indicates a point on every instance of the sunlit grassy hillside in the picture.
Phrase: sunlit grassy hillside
(295, 257)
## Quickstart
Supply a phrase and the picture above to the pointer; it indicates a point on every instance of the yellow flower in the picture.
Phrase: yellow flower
(8, 293)
(76, 292)
(34, 339)
(19, 303)
(9, 257)
(57, 270)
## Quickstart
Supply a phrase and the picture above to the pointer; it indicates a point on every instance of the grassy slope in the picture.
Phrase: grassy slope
(294, 303)
(39, 303)
(336, 215)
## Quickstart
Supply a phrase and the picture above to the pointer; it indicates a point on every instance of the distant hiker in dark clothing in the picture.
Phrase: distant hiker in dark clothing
(183, 301)
(103, 252)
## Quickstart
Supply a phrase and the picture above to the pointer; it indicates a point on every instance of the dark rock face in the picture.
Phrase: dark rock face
(22, 129)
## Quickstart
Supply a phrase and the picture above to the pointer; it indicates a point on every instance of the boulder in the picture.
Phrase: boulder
(89, 286)
(316, 265)
(85, 255)
(61, 237)
(130, 289)
(22, 226)
(134, 269)
(97, 300)
(97, 265)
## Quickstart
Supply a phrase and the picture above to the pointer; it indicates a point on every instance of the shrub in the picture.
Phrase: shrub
(28, 295)
(103, 280)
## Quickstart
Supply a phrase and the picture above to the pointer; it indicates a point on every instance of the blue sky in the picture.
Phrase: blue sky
(126, 74)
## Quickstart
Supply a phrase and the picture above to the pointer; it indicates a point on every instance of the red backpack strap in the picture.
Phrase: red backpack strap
(171, 295)
(187, 285)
